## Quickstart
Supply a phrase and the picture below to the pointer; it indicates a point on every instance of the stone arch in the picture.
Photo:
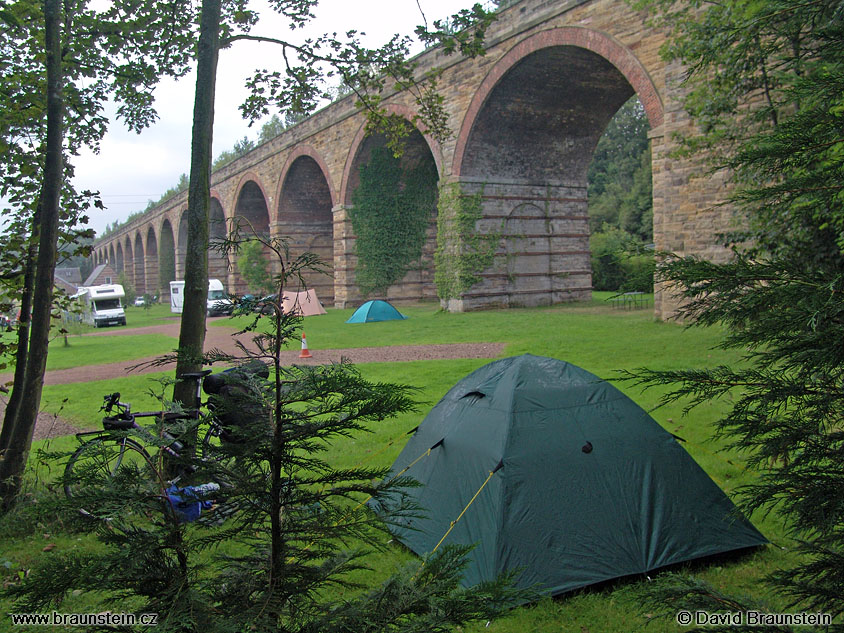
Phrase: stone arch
(182, 243)
(118, 259)
(349, 180)
(151, 261)
(304, 214)
(602, 45)
(525, 146)
(140, 265)
(419, 282)
(218, 265)
(307, 151)
(129, 261)
(111, 259)
(166, 259)
(251, 202)
(251, 206)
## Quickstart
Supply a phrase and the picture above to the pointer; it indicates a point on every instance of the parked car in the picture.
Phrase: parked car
(139, 302)
(247, 302)
(265, 304)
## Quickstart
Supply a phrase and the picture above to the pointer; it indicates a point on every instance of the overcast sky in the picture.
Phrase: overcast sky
(132, 169)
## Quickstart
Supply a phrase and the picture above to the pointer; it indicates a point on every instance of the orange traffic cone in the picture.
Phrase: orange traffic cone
(305, 353)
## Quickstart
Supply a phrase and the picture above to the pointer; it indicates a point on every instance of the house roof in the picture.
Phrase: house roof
(72, 275)
(69, 288)
(94, 274)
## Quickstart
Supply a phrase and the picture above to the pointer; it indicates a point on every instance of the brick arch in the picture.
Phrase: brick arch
(244, 179)
(220, 228)
(257, 212)
(139, 259)
(361, 136)
(166, 256)
(218, 263)
(302, 213)
(297, 152)
(216, 195)
(119, 260)
(181, 228)
(595, 41)
(129, 260)
(150, 237)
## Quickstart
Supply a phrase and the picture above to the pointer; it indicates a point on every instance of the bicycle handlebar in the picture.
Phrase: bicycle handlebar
(112, 400)
(109, 401)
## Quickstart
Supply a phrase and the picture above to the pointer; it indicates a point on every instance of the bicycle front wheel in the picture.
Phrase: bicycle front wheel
(98, 462)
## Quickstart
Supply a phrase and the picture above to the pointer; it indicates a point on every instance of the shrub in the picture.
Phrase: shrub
(620, 262)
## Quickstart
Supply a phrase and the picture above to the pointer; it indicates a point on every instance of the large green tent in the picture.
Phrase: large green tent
(573, 483)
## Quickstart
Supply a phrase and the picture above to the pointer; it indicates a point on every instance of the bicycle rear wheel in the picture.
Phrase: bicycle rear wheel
(99, 461)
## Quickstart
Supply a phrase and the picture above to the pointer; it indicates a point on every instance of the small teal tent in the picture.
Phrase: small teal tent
(375, 311)
(558, 476)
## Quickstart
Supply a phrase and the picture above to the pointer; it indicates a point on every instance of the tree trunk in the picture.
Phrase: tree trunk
(192, 332)
(13, 405)
(14, 461)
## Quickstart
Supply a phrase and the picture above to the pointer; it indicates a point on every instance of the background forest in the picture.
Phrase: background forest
(621, 204)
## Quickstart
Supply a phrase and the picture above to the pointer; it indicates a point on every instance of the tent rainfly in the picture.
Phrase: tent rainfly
(375, 311)
(562, 477)
(304, 303)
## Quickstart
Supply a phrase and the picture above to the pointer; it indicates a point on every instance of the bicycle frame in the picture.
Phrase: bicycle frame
(124, 414)
(144, 432)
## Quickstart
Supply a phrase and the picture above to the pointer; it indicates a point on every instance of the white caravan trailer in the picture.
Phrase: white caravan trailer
(216, 303)
(102, 305)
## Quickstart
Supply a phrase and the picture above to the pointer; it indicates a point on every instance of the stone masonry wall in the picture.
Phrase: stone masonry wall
(543, 255)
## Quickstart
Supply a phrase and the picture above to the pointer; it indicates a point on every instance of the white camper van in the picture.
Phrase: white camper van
(102, 305)
(216, 303)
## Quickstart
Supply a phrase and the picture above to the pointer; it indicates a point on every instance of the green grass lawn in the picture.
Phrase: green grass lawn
(591, 335)
(153, 315)
(427, 324)
(87, 345)
(79, 351)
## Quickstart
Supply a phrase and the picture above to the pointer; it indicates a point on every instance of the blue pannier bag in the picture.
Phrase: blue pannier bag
(188, 503)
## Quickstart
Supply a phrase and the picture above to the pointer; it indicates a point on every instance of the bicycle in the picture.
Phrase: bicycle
(121, 446)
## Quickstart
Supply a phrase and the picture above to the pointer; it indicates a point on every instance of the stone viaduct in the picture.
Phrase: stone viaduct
(525, 118)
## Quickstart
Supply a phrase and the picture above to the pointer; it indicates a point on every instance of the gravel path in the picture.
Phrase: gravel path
(47, 425)
(221, 338)
(319, 357)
